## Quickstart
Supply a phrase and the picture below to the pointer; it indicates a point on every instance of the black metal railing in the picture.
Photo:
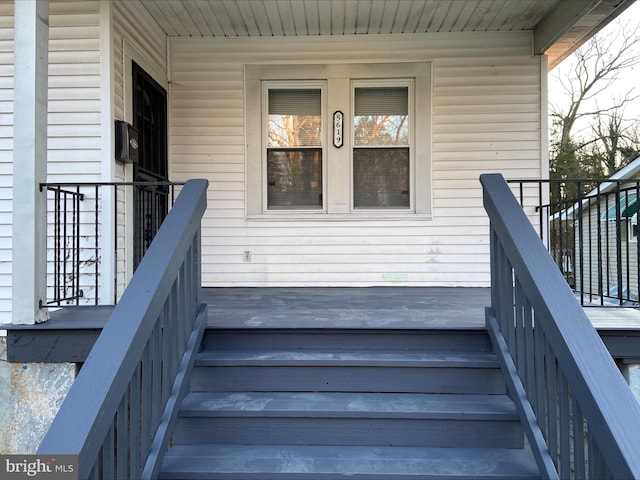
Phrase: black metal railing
(590, 228)
(64, 248)
(97, 233)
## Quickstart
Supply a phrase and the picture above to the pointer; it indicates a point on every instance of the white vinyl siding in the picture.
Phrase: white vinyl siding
(6, 156)
(133, 25)
(135, 37)
(486, 117)
(75, 142)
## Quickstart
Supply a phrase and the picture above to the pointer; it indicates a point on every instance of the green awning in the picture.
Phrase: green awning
(628, 207)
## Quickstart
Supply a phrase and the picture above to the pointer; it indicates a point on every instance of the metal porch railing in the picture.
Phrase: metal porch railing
(80, 236)
(118, 414)
(591, 231)
(581, 418)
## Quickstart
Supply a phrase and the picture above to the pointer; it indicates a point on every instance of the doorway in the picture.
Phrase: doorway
(150, 202)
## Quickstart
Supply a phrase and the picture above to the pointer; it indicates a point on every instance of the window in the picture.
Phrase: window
(381, 147)
(294, 148)
(380, 168)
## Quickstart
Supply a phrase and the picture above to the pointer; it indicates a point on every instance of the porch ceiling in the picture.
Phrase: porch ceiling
(559, 26)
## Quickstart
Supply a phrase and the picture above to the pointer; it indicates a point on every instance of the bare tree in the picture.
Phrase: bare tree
(594, 69)
(614, 142)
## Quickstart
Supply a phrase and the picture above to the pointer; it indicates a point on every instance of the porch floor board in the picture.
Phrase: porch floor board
(347, 307)
(614, 318)
(71, 332)
(338, 307)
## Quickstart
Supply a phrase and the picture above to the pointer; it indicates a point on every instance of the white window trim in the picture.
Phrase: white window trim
(337, 178)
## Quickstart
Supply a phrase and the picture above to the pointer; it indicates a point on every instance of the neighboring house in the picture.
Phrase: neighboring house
(400, 106)
(608, 222)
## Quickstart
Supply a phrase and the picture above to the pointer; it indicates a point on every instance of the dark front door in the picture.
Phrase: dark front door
(150, 118)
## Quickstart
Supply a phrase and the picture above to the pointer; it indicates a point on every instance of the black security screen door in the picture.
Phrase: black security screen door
(150, 118)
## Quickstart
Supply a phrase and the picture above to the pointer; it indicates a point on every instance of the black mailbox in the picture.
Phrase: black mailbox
(126, 142)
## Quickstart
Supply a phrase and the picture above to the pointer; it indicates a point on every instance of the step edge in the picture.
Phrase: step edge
(522, 467)
(337, 405)
(323, 414)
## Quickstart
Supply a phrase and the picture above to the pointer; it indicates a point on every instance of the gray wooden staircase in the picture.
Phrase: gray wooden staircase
(324, 404)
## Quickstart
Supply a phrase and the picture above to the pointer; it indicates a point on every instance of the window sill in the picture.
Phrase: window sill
(339, 217)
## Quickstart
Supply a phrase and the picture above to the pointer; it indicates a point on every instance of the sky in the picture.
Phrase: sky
(629, 79)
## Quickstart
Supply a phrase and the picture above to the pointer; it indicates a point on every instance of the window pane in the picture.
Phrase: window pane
(381, 116)
(381, 178)
(294, 118)
(294, 179)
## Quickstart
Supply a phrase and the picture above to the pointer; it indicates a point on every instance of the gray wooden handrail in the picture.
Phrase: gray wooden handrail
(119, 402)
(570, 381)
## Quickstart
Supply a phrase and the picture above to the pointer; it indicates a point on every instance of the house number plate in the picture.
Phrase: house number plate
(338, 117)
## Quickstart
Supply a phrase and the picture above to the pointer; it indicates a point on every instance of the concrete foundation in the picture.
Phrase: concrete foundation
(30, 396)
(632, 376)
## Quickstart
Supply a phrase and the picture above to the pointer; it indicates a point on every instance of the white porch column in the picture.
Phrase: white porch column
(30, 160)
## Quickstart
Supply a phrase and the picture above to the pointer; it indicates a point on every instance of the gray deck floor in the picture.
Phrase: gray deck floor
(373, 307)
(72, 331)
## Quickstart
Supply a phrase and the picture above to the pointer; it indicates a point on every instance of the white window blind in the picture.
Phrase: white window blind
(381, 101)
(289, 101)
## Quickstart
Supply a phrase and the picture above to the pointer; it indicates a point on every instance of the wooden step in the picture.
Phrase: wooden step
(349, 418)
(348, 371)
(296, 404)
(290, 462)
